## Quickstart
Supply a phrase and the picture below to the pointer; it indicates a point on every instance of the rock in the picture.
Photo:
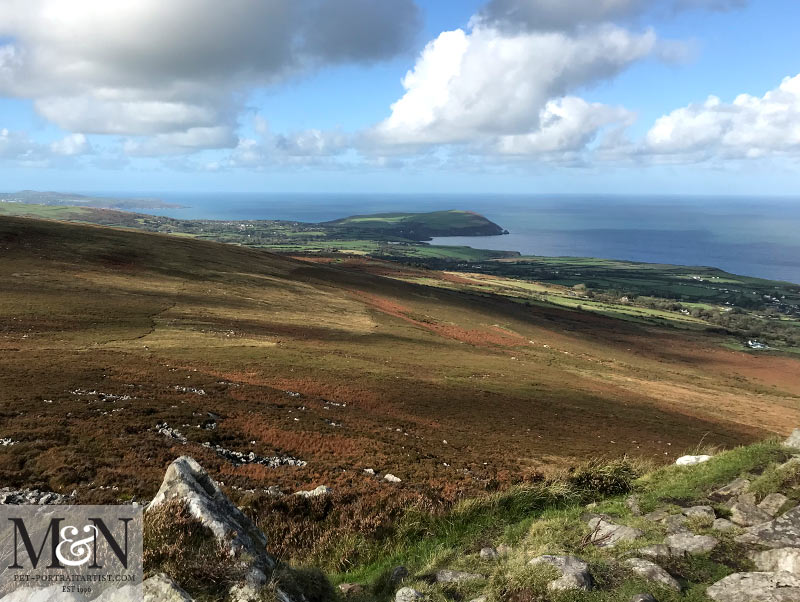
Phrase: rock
(747, 515)
(448, 576)
(632, 503)
(722, 524)
(686, 543)
(793, 440)
(42, 594)
(781, 532)
(700, 511)
(746, 498)
(730, 490)
(657, 515)
(398, 574)
(692, 460)
(676, 523)
(606, 534)
(658, 550)
(480, 599)
(321, 490)
(162, 588)
(351, 589)
(643, 598)
(652, 572)
(185, 480)
(574, 572)
(34, 497)
(407, 594)
(391, 478)
(773, 503)
(503, 550)
(370, 471)
(756, 587)
(779, 559)
(489, 554)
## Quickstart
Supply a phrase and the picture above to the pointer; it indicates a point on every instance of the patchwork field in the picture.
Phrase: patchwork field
(120, 350)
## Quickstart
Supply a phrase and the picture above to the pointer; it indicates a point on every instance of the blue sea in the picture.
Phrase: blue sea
(752, 236)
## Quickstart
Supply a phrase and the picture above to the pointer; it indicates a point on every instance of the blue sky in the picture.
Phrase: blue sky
(514, 96)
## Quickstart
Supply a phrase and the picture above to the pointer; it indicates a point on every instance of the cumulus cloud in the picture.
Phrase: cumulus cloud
(180, 68)
(71, 146)
(550, 15)
(489, 86)
(748, 127)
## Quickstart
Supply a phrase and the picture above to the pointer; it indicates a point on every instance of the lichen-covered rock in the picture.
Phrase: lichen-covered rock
(686, 543)
(489, 554)
(746, 515)
(756, 587)
(700, 511)
(722, 524)
(793, 440)
(574, 572)
(652, 572)
(781, 532)
(773, 503)
(161, 588)
(448, 576)
(606, 534)
(407, 594)
(732, 489)
(779, 559)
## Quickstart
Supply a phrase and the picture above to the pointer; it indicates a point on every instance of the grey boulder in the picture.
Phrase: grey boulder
(574, 572)
(652, 572)
(686, 543)
(448, 576)
(781, 532)
(745, 514)
(793, 440)
(606, 534)
(161, 588)
(407, 594)
(779, 559)
(756, 587)
(773, 503)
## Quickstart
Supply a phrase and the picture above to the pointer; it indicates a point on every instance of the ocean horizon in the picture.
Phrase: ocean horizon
(752, 236)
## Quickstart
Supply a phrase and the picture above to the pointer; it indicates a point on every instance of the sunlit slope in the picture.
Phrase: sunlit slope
(107, 333)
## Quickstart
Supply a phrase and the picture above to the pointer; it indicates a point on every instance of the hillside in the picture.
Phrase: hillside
(419, 226)
(60, 199)
(123, 348)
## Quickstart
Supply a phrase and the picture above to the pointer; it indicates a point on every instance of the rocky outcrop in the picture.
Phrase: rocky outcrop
(606, 534)
(686, 543)
(773, 503)
(745, 514)
(781, 532)
(756, 587)
(779, 559)
(33, 496)
(793, 440)
(732, 489)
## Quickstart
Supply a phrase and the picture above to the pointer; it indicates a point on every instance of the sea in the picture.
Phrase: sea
(747, 235)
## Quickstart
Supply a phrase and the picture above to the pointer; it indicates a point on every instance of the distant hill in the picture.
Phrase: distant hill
(420, 226)
(36, 197)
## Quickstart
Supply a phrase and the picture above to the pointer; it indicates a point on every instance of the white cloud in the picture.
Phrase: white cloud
(488, 85)
(748, 127)
(71, 146)
(176, 143)
(155, 67)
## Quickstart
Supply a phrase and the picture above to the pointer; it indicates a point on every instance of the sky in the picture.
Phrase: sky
(439, 96)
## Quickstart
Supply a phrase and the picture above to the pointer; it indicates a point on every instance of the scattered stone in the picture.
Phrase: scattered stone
(370, 471)
(162, 588)
(480, 599)
(686, 543)
(722, 524)
(756, 587)
(351, 589)
(391, 478)
(643, 598)
(321, 490)
(793, 440)
(407, 594)
(186, 481)
(606, 534)
(489, 554)
(657, 515)
(773, 503)
(574, 572)
(238, 458)
(778, 533)
(632, 502)
(732, 489)
(448, 576)
(747, 515)
(34, 496)
(162, 428)
(779, 559)
(700, 511)
(398, 574)
(692, 460)
(658, 550)
(652, 572)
